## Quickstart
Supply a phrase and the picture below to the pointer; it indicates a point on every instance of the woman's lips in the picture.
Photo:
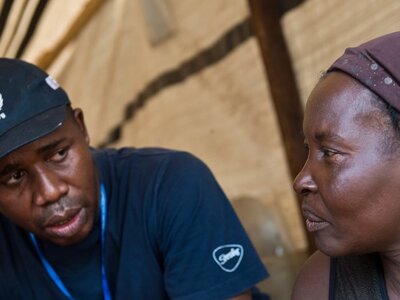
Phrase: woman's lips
(68, 225)
(313, 222)
(313, 226)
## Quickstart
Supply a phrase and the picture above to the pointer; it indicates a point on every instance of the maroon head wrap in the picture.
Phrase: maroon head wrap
(375, 64)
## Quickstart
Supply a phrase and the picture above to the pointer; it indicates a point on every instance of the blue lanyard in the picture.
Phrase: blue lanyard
(52, 273)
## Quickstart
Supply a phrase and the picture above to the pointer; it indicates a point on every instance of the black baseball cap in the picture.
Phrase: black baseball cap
(32, 104)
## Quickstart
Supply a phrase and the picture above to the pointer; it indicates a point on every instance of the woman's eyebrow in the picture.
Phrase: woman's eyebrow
(323, 136)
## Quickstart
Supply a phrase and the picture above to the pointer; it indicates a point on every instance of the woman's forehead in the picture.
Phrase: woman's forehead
(340, 104)
(337, 92)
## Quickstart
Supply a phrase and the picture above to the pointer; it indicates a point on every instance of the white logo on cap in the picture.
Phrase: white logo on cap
(52, 82)
(2, 115)
(228, 257)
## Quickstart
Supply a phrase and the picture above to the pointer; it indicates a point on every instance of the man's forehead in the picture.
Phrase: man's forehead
(38, 146)
(64, 131)
(28, 154)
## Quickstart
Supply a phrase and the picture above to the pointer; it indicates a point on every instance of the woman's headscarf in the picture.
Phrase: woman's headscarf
(375, 64)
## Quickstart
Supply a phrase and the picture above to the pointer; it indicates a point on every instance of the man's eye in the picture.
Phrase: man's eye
(15, 177)
(60, 155)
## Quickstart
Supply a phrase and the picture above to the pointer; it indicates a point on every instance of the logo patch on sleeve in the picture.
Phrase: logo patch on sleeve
(228, 257)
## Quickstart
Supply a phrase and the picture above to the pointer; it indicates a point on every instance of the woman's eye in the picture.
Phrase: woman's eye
(333, 156)
(328, 153)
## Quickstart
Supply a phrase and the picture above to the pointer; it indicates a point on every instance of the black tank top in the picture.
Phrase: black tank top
(357, 277)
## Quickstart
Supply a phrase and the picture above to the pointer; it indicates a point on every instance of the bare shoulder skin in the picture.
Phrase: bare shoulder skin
(313, 279)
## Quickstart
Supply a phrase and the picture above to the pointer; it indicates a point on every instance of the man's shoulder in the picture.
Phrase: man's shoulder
(137, 158)
(147, 162)
(147, 153)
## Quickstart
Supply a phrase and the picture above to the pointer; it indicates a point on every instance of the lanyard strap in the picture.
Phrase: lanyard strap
(52, 273)
(103, 210)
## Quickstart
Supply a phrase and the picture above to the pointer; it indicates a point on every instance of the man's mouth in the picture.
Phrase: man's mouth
(66, 225)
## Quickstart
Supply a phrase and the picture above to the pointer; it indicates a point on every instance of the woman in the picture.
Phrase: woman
(350, 182)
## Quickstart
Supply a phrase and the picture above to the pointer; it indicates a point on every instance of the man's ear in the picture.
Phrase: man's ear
(80, 121)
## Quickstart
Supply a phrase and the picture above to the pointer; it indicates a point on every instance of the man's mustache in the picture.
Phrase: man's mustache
(58, 208)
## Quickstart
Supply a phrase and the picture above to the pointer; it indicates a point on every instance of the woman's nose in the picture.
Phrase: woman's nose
(304, 182)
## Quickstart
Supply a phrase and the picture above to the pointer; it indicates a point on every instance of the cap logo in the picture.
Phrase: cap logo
(228, 257)
(52, 82)
(2, 114)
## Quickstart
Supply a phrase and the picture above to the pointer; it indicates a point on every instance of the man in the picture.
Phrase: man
(79, 223)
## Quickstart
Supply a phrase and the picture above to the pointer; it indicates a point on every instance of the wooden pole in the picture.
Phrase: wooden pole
(266, 17)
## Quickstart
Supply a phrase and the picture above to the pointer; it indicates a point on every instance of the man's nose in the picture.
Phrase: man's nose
(304, 183)
(49, 187)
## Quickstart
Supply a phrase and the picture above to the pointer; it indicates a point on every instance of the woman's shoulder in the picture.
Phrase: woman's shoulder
(313, 279)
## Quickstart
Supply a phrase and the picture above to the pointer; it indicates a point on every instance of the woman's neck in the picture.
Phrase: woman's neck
(391, 269)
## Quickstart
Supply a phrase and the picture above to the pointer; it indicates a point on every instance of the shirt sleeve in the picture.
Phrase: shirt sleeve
(206, 252)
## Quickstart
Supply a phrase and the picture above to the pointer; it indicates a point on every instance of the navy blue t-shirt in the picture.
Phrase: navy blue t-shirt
(171, 233)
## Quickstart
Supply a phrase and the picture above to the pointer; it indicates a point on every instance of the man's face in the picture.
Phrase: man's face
(350, 184)
(49, 187)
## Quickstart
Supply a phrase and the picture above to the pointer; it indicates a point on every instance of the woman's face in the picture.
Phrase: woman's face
(350, 181)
